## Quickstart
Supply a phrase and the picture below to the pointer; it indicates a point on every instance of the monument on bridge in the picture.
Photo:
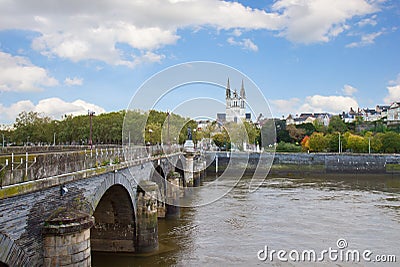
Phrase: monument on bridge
(188, 147)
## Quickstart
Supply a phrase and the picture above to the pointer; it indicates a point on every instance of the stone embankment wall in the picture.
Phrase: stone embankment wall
(314, 162)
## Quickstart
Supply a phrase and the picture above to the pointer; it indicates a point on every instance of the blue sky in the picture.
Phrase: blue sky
(65, 57)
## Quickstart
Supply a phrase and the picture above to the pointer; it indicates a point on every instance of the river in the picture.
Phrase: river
(292, 215)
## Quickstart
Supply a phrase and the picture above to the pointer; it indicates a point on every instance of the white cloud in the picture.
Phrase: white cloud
(394, 94)
(393, 91)
(18, 74)
(319, 20)
(52, 107)
(366, 39)
(245, 43)
(349, 90)
(395, 82)
(315, 103)
(284, 106)
(148, 57)
(73, 81)
(237, 32)
(368, 21)
(331, 104)
(92, 29)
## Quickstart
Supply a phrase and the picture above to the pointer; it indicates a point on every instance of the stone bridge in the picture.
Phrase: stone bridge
(58, 221)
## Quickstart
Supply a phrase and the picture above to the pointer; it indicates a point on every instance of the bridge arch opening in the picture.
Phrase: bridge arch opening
(114, 229)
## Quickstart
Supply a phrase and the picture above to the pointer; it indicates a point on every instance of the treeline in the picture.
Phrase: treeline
(32, 128)
(357, 137)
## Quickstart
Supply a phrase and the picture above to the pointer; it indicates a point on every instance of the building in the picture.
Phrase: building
(393, 114)
(367, 114)
(235, 109)
(323, 118)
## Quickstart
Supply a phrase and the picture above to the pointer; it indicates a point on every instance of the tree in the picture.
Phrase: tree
(375, 142)
(357, 143)
(390, 142)
(222, 140)
(317, 142)
(30, 127)
(309, 128)
(305, 143)
(332, 142)
(319, 126)
(336, 124)
(297, 134)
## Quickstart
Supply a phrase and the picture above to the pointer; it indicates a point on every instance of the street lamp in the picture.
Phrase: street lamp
(168, 142)
(369, 145)
(91, 114)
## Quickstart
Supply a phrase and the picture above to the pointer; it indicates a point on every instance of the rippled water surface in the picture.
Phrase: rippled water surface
(288, 214)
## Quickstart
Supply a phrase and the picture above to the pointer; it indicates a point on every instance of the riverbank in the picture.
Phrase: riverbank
(309, 164)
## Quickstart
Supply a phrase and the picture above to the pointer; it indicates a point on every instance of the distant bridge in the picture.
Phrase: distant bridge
(56, 208)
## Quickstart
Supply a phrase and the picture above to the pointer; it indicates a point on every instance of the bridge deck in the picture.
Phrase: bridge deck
(20, 174)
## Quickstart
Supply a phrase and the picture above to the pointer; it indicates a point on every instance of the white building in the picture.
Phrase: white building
(235, 106)
(393, 114)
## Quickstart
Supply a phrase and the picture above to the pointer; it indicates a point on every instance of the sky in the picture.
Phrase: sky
(66, 57)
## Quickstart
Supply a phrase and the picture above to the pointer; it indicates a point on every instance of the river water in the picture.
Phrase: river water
(292, 215)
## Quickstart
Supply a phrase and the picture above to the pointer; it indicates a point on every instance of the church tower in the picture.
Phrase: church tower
(235, 104)
(242, 95)
(228, 90)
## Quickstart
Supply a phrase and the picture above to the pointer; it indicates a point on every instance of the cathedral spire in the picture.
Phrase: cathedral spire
(228, 90)
(242, 92)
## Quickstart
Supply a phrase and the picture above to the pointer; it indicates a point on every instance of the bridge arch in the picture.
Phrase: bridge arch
(114, 213)
(14, 256)
(112, 179)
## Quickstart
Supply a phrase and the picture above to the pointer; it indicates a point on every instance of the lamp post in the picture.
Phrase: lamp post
(369, 145)
(91, 114)
(339, 144)
(168, 141)
(3, 140)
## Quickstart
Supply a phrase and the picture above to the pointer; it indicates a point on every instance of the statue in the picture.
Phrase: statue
(189, 133)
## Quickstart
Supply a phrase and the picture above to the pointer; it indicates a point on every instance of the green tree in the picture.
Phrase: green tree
(31, 127)
(375, 142)
(357, 143)
(332, 142)
(390, 142)
(222, 140)
(336, 124)
(317, 142)
(309, 128)
(319, 126)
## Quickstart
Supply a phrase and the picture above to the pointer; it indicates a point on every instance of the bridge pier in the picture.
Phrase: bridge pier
(147, 220)
(173, 194)
(66, 239)
(189, 167)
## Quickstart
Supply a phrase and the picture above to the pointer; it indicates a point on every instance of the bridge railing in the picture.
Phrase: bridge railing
(19, 168)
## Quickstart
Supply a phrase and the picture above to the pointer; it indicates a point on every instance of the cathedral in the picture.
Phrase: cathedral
(235, 106)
